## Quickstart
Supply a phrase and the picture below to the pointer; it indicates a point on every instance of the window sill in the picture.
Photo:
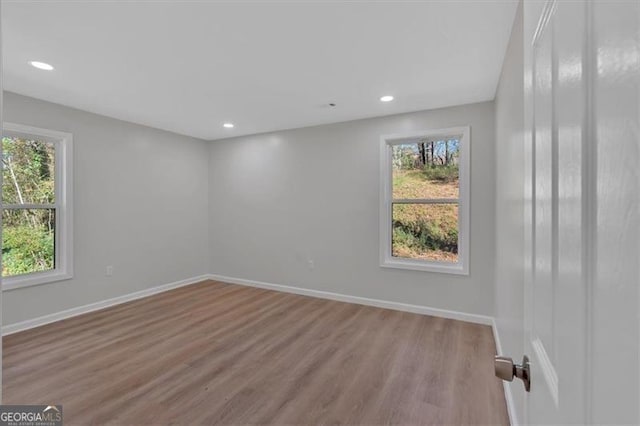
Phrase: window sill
(416, 265)
(36, 278)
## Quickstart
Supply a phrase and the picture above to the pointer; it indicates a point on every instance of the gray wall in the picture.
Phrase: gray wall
(140, 205)
(509, 305)
(280, 199)
(161, 207)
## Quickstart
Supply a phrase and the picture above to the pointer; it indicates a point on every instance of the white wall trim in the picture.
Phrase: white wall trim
(508, 395)
(63, 206)
(397, 306)
(57, 316)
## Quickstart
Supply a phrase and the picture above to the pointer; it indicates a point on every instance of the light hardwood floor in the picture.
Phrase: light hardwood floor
(214, 353)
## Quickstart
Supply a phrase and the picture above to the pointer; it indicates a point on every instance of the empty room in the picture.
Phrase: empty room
(320, 212)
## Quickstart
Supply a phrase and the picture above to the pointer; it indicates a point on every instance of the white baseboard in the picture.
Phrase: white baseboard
(57, 316)
(418, 309)
(508, 396)
(397, 306)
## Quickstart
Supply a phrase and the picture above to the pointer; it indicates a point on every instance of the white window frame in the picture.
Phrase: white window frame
(63, 187)
(387, 260)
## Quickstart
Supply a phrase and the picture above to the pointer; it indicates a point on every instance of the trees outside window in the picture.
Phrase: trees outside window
(424, 207)
(36, 216)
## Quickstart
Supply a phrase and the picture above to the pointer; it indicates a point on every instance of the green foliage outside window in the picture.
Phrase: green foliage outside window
(28, 234)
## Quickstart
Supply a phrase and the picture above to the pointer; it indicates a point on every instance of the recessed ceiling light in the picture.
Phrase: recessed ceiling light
(228, 125)
(386, 98)
(41, 65)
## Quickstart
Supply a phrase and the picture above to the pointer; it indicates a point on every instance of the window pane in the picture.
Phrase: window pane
(425, 231)
(426, 169)
(28, 241)
(28, 170)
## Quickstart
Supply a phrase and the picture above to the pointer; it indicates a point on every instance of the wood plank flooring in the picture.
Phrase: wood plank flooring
(215, 353)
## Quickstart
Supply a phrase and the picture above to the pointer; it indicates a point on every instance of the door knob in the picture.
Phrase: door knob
(507, 370)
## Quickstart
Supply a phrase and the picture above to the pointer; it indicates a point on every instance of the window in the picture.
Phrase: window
(424, 213)
(36, 195)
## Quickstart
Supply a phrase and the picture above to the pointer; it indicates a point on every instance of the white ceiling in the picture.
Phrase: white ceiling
(188, 67)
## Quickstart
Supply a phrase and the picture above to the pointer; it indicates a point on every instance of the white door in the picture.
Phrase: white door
(582, 66)
(555, 297)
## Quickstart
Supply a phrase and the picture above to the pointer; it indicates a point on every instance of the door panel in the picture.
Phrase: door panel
(556, 307)
(582, 210)
(543, 193)
(570, 99)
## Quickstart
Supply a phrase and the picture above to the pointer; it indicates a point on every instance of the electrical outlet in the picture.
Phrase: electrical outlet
(109, 271)
(311, 264)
